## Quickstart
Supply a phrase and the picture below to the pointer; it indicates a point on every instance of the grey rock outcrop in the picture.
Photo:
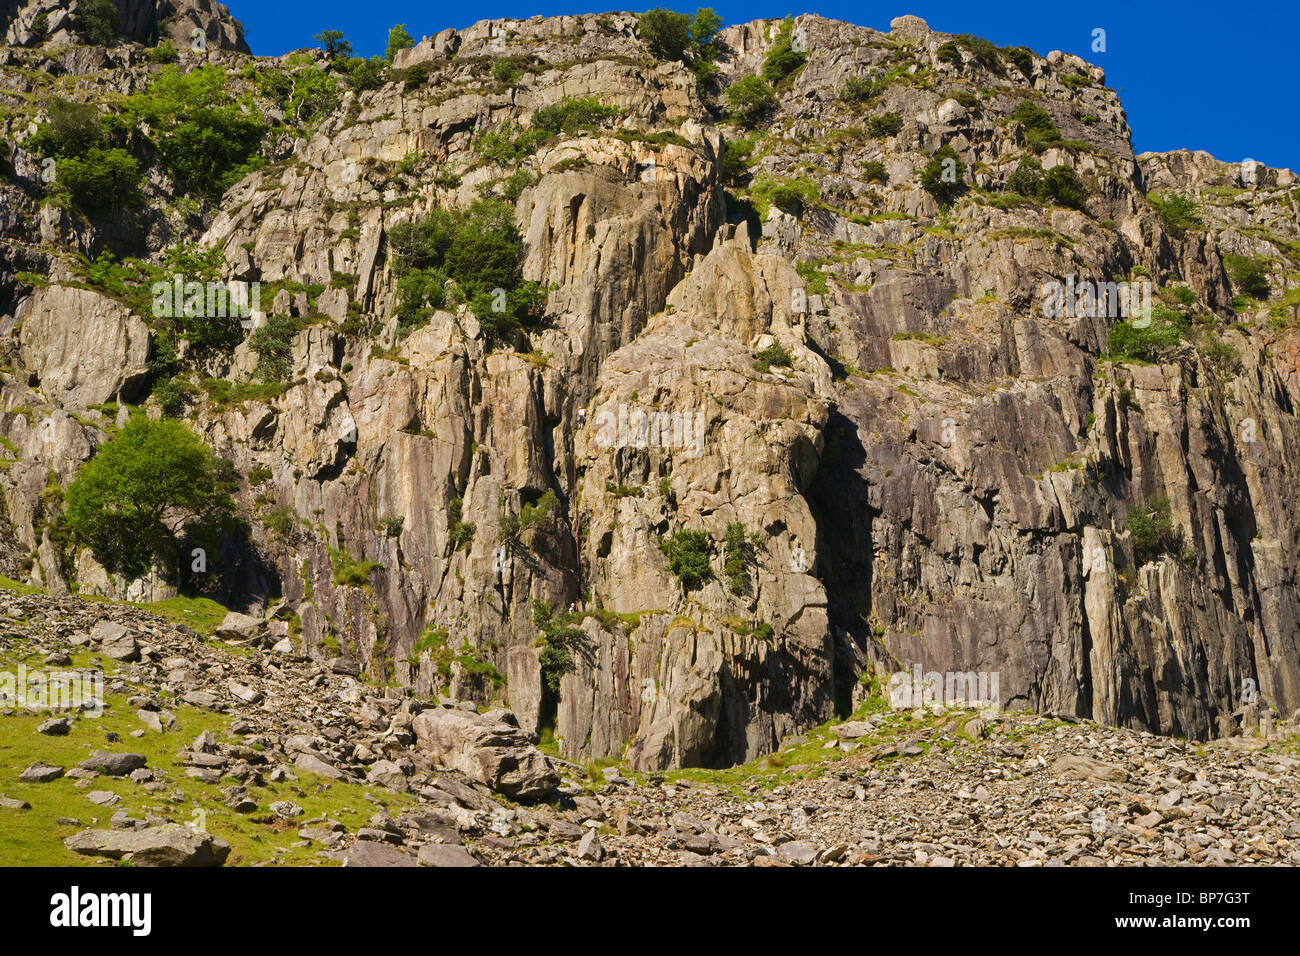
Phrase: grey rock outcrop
(169, 845)
(489, 748)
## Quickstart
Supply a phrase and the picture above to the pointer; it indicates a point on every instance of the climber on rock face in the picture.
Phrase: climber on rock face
(582, 416)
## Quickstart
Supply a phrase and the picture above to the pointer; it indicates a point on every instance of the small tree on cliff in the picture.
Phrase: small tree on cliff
(398, 40)
(153, 483)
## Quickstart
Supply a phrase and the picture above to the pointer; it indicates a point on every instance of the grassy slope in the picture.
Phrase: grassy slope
(35, 838)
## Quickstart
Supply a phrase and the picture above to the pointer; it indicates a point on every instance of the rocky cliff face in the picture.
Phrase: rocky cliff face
(37, 22)
(779, 332)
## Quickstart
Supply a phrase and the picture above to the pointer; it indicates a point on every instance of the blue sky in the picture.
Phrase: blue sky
(1214, 76)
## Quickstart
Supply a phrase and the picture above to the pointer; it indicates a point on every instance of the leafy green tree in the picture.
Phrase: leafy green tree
(572, 115)
(334, 44)
(153, 483)
(273, 343)
(208, 138)
(164, 52)
(665, 32)
(783, 59)
(750, 98)
(464, 255)
(704, 27)
(398, 40)
(859, 89)
(741, 554)
(1060, 185)
(555, 641)
(365, 73)
(1027, 179)
(96, 21)
(1128, 342)
(885, 124)
(314, 93)
(97, 176)
(101, 180)
(70, 129)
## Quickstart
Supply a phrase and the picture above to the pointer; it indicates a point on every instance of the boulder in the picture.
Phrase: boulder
(446, 855)
(40, 773)
(1089, 769)
(240, 627)
(314, 764)
(115, 641)
(169, 845)
(113, 764)
(370, 853)
(486, 748)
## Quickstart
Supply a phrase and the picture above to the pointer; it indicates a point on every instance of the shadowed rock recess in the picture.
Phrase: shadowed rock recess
(789, 331)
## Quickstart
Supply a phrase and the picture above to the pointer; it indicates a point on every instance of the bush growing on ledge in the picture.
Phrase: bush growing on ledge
(775, 354)
(1177, 211)
(783, 60)
(789, 195)
(572, 115)
(506, 71)
(1248, 276)
(943, 177)
(985, 52)
(555, 642)
(1060, 185)
(273, 343)
(1130, 343)
(688, 557)
(1023, 58)
(885, 124)
(859, 89)
(348, 571)
(96, 21)
(164, 53)
(1027, 179)
(741, 554)
(1151, 528)
(749, 98)
(460, 531)
(464, 255)
(1040, 128)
